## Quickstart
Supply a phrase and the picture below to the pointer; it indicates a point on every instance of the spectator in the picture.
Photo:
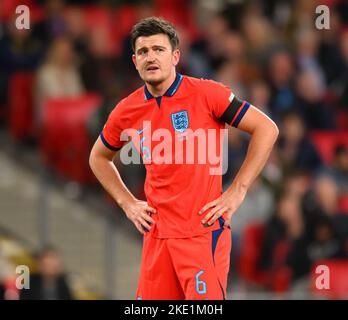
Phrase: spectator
(339, 170)
(53, 24)
(284, 234)
(329, 52)
(281, 71)
(260, 95)
(258, 33)
(342, 83)
(321, 201)
(309, 102)
(50, 282)
(297, 183)
(20, 51)
(58, 77)
(209, 50)
(295, 149)
(256, 209)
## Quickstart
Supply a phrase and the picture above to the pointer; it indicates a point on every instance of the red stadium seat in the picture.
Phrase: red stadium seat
(277, 280)
(343, 204)
(342, 120)
(250, 253)
(326, 142)
(100, 24)
(338, 279)
(8, 9)
(124, 18)
(65, 144)
(21, 109)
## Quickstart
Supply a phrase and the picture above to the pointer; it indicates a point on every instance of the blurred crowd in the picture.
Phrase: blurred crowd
(269, 52)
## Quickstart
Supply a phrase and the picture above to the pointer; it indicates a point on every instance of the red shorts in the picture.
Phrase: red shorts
(191, 268)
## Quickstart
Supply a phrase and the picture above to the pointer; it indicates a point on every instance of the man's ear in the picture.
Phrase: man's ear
(176, 57)
(134, 61)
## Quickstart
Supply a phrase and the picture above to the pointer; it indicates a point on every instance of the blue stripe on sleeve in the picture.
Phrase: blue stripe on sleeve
(241, 114)
(109, 146)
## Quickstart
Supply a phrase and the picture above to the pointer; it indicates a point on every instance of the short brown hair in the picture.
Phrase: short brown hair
(154, 25)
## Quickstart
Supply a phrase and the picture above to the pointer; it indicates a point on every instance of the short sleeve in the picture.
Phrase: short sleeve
(224, 105)
(111, 133)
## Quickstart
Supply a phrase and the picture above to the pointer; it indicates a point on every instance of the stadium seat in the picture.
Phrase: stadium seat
(8, 9)
(250, 253)
(338, 279)
(21, 106)
(65, 144)
(342, 120)
(125, 17)
(343, 204)
(277, 280)
(100, 24)
(326, 142)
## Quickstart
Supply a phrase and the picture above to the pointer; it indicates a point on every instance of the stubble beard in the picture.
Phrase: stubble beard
(154, 82)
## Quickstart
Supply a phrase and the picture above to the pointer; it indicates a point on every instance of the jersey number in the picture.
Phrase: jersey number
(201, 286)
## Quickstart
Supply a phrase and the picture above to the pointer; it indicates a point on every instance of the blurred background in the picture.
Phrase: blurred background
(60, 79)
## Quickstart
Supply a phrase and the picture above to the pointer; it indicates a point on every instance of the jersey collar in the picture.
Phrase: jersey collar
(170, 91)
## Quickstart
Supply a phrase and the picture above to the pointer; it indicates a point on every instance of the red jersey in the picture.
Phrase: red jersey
(176, 135)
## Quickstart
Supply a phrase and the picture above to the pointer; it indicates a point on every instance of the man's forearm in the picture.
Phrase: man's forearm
(260, 147)
(108, 175)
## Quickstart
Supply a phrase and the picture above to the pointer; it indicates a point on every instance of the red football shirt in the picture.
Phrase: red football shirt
(170, 133)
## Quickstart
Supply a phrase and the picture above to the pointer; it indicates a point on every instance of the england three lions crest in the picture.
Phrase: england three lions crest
(180, 121)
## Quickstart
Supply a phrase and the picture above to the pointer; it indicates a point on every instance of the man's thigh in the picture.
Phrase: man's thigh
(158, 279)
(202, 264)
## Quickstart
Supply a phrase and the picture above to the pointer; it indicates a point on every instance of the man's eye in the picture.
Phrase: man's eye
(159, 49)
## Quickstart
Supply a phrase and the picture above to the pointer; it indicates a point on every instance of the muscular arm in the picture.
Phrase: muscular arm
(264, 133)
(101, 163)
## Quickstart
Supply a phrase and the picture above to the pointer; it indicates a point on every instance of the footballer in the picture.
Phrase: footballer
(185, 220)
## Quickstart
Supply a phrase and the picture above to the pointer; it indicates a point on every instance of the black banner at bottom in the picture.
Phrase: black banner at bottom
(129, 310)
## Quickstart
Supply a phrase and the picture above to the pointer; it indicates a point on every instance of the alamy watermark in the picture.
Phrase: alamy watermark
(185, 146)
(23, 277)
(23, 18)
(322, 280)
(323, 20)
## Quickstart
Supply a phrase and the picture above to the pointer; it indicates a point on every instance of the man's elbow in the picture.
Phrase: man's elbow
(92, 157)
(268, 129)
(274, 131)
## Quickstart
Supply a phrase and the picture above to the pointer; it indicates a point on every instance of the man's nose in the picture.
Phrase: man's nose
(150, 55)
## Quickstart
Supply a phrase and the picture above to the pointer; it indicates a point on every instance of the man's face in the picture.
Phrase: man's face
(154, 58)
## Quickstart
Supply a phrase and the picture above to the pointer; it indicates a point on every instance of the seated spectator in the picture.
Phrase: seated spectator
(321, 202)
(208, 52)
(284, 234)
(50, 282)
(260, 95)
(53, 24)
(326, 243)
(342, 83)
(309, 101)
(20, 51)
(339, 169)
(58, 77)
(295, 149)
(281, 70)
(297, 183)
(255, 209)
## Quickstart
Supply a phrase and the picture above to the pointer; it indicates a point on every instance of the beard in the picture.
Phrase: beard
(153, 81)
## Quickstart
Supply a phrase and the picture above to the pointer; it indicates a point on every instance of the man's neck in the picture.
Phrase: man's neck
(161, 88)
